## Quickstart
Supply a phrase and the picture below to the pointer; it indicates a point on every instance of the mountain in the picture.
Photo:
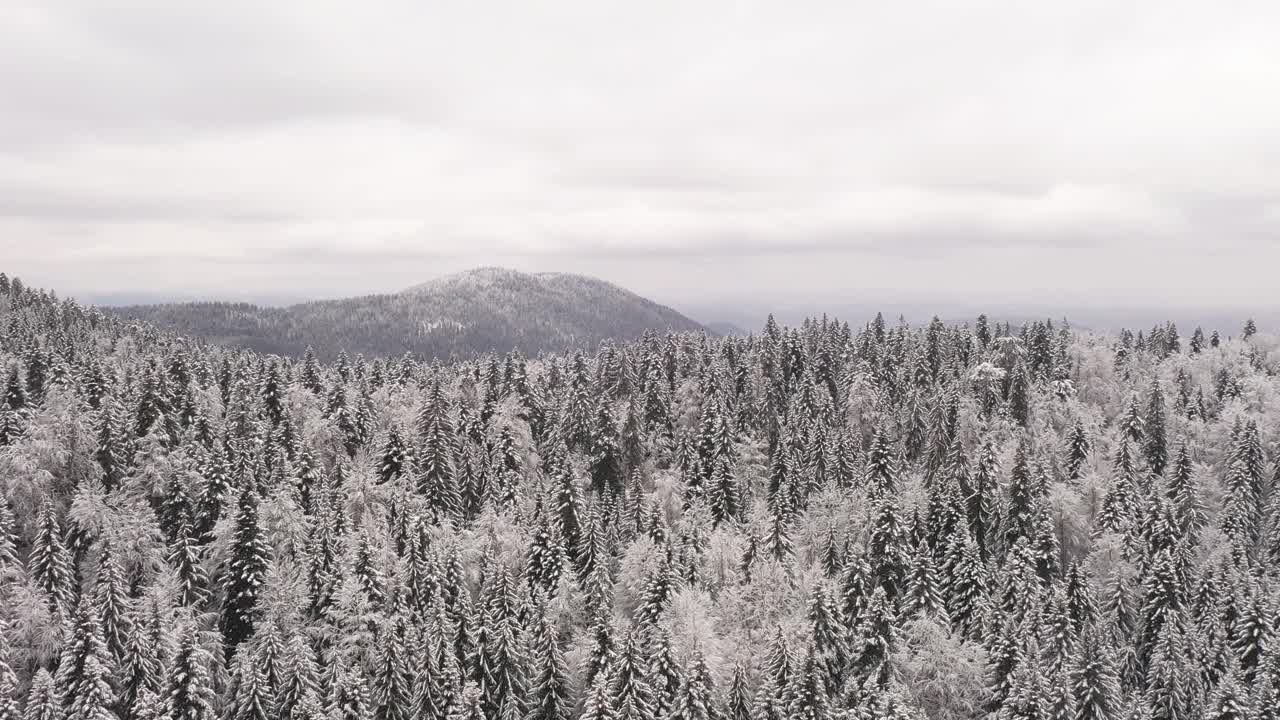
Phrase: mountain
(727, 329)
(482, 310)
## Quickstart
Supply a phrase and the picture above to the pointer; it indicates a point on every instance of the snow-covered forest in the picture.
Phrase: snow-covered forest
(829, 521)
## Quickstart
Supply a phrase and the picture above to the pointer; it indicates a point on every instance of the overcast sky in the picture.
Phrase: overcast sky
(1081, 151)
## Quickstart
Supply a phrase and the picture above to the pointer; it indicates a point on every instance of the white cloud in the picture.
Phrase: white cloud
(347, 147)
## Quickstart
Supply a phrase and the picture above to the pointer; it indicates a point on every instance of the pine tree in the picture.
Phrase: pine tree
(740, 701)
(1095, 680)
(696, 699)
(436, 469)
(184, 556)
(1253, 633)
(394, 456)
(351, 700)
(92, 697)
(659, 587)
(213, 497)
(600, 659)
(8, 679)
(875, 640)
(113, 602)
(809, 692)
(301, 681)
(856, 585)
(828, 632)
(967, 594)
(724, 495)
(1155, 446)
(1168, 682)
(252, 698)
(1028, 695)
(246, 572)
(1229, 701)
(49, 562)
(924, 590)
(436, 680)
(631, 693)
(392, 681)
(1020, 515)
(882, 470)
(190, 693)
(43, 702)
(888, 549)
(1185, 493)
(9, 562)
(15, 393)
(980, 502)
(668, 679)
(550, 687)
(1132, 426)
(1078, 447)
(569, 512)
(778, 542)
(85, 664)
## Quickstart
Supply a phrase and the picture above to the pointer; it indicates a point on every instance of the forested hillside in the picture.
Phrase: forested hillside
(457, 316)
(876, 521)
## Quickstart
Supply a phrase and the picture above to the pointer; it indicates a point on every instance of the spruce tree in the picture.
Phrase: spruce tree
(436, 469)
(550, 686)
(43, 702)
(696, 699)
(8, 678)
(190, 691)
(50, 562)
(246, 573)
(252, 698)
(1078, 447)
(809, 692)
(740, 700)
(1095, 680)
(392, 681)
(631, 693)
(1155, 445)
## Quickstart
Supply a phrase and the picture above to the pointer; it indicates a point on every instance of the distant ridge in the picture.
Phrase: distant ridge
(488, 309)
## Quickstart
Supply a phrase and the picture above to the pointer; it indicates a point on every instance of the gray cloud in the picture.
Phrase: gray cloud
(991, 149)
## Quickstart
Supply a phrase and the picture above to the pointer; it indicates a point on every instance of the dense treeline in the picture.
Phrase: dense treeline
(488, 308)
(819, 522)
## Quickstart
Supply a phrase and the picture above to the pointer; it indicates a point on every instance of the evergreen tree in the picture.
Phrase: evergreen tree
(724, 495)
(190, 692)
(8, 679)
(924, 590)
(597, 705)
(1229, 701)
(49, 562)
(889, 550)
(1078, 447)
(809, 694)
(392, 681)
(113, 603)
(43, 702)
(246, 572)
(550, 687)
(696, 699)
(436, 468)
(1095, 681)
(1155, 445)
(252, 698)
(85, 665)
(740, 701)
(631, 694)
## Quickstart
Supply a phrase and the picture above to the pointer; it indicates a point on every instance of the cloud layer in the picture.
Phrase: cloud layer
(1083, 150)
